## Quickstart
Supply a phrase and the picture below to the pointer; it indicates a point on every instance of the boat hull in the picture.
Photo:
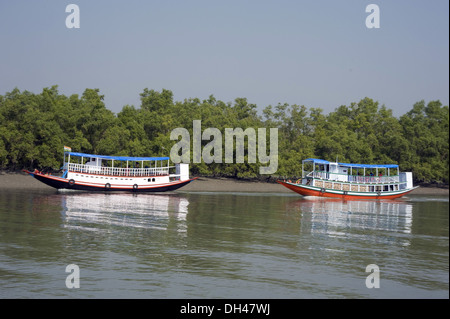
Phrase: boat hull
(307, 190)
(64, 183)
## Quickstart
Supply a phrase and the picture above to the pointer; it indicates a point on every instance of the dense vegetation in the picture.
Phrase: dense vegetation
(35, 127)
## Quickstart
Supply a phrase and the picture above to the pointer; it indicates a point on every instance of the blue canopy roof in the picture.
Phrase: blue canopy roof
(321, 161)
(119, 158)
(316, 161)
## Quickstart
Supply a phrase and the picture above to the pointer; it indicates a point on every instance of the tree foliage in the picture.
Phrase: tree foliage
(35, 127)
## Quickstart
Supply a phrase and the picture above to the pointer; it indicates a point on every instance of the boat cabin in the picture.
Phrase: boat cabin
(354, 177)
(122, 169)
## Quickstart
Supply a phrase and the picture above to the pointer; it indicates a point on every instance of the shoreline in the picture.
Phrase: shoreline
(20, 180)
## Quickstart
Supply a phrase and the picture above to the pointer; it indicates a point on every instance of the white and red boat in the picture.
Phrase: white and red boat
(351, 181)
(90, 172)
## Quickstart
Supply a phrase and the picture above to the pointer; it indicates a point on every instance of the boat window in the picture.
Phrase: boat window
(153, 179)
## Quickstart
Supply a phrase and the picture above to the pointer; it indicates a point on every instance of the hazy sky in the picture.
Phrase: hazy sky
(313, 53)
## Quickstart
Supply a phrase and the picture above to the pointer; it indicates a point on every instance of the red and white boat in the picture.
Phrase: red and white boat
(351, 181)
(90, 172)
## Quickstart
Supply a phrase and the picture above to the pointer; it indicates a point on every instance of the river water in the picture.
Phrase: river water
(221, 245)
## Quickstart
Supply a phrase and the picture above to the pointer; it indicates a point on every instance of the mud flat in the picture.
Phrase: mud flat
(202, 184)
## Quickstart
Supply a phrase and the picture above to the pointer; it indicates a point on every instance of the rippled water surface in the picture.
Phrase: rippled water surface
(221, 245)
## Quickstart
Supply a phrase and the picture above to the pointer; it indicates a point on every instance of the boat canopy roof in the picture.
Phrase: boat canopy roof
(119, 158)
(321, 161)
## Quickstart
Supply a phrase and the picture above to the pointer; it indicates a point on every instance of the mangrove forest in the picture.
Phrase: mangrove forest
(34, 128)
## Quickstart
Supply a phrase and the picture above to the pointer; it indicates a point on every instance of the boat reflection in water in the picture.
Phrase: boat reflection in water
(345, 219)
(100, 211)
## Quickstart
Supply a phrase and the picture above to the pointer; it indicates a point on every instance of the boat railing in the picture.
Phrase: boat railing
(373, 179)
(118, 171)
(358, 179)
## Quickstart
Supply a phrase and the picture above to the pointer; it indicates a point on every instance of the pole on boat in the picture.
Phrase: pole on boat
(303, 172)
(314, 170)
